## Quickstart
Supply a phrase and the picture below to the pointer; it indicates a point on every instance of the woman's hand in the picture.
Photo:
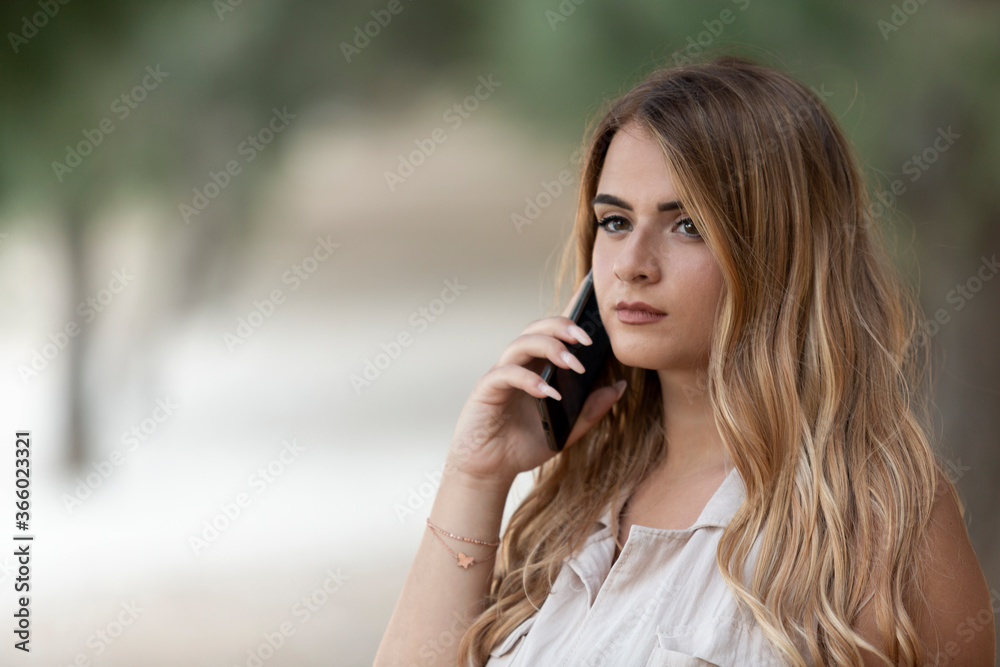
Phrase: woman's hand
(499, 432)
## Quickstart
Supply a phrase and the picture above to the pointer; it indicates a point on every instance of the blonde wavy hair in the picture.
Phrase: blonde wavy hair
(816, 368)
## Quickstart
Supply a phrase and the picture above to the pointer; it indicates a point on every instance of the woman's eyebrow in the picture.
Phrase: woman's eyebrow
(621, 203)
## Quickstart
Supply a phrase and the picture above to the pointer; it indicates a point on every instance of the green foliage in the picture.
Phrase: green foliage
(559, 60)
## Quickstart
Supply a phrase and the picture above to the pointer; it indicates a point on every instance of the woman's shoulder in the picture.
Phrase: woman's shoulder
(953, 606)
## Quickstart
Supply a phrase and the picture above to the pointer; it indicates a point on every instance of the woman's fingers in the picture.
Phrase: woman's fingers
(530, 347)
(561, 327)
(494, 387)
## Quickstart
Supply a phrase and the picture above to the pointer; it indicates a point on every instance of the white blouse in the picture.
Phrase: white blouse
(662, 603)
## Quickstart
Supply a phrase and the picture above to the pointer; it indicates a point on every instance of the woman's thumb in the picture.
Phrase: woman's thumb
(595, 407)
(620, 388)
(603, 402)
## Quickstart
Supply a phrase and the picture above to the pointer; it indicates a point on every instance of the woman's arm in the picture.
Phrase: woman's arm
(439, 598)
(954, 616)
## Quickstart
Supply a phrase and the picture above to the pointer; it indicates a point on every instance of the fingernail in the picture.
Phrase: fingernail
(620, 387)
(549, 390)
(580, 334)
(572, 362)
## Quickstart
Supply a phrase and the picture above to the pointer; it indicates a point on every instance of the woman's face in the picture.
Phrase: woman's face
(645, 251)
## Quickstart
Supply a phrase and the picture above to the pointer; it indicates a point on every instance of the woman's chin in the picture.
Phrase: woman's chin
(636, 359)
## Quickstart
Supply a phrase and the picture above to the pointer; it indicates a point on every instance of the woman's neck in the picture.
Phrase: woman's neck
(693, 442)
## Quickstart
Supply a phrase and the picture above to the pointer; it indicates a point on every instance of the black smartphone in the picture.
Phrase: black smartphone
(558, 417)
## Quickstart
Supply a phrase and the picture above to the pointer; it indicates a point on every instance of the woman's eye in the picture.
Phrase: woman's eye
(692, 230)
(608, 220)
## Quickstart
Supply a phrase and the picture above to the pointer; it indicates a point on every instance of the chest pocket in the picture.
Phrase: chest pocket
(663, 657)
(721, 642)
(511, 646)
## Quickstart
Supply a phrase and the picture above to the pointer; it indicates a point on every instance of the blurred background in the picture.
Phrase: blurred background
(254, 255)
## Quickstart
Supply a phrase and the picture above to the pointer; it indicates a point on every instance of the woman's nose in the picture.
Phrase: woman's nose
(637, 260)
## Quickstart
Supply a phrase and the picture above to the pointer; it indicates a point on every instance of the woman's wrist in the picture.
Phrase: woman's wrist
(489, 485)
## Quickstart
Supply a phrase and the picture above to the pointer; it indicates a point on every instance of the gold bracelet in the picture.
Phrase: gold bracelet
(463, 560)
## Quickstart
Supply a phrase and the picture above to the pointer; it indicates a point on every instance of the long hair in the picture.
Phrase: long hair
(814, 377)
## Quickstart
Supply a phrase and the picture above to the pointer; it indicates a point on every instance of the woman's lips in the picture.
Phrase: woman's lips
(629, 316)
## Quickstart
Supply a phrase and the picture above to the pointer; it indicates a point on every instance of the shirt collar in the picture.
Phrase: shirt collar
(717, 512)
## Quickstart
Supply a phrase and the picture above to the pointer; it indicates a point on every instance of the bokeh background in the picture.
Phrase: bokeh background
(203, 249)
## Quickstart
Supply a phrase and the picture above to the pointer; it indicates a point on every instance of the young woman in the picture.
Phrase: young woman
(753, 482)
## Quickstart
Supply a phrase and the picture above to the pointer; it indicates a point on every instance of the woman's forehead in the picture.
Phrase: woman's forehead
(636, 170)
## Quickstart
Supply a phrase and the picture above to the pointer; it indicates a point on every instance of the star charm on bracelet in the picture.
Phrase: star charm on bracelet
(463, 560)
